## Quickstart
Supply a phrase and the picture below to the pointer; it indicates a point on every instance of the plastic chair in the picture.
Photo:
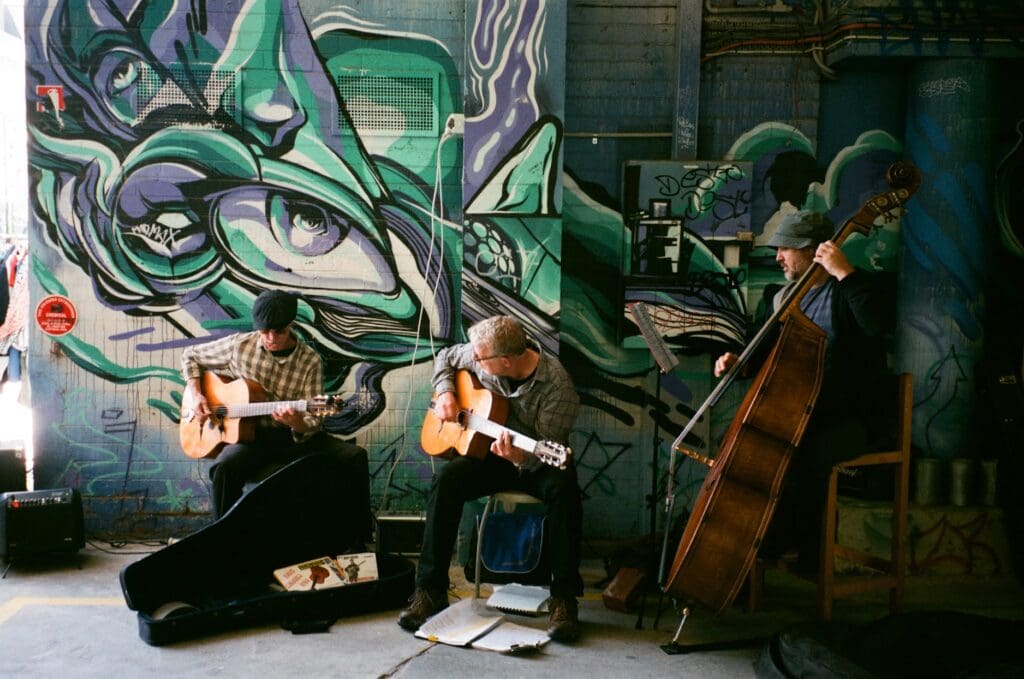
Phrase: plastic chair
(508, 501)
(890, 572)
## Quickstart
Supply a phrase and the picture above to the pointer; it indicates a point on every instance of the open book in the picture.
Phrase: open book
(522, 599)
(464, 624)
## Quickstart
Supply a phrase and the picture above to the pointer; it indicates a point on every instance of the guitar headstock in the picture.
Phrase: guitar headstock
(325, 404)
(554, 454)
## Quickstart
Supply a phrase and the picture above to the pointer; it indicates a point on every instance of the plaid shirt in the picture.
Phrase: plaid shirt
(543, 407)
(297, 376)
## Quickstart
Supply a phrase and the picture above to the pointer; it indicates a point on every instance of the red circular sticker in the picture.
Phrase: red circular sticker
(56, 315)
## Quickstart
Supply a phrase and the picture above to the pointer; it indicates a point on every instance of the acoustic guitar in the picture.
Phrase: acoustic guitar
(233, 404)
(482, 414)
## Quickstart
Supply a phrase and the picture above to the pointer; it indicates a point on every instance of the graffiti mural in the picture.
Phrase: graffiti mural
(183, 169)
(185, 157)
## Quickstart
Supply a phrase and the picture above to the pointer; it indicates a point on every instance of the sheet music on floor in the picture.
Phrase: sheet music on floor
(467, 623)
(521, 599)
(663, 356)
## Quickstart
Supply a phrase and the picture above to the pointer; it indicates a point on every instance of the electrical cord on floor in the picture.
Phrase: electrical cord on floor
(117, 546)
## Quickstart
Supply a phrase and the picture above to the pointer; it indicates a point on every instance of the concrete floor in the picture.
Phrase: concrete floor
(67, 618)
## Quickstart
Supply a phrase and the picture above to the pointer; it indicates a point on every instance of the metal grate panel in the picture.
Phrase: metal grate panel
(155, 93)
(391, 104)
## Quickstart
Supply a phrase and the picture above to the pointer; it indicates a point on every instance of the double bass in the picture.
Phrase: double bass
(744, 480)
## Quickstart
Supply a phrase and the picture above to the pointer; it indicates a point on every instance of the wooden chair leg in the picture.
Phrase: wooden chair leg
(900, 507)
(827, 565)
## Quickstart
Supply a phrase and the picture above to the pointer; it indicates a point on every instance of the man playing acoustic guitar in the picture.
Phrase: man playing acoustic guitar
(542, 403)
(286, 369)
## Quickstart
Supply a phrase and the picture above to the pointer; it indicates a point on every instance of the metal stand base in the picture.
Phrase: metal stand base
(675, 648)
(682, 649)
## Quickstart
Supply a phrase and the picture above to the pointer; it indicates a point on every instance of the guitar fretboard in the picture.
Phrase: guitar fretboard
(257, 409)
(494, 430)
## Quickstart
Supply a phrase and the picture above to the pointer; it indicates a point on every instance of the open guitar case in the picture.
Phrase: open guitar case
(220, 578)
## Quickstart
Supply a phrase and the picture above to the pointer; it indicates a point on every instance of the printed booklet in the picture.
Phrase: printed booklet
(325, 572)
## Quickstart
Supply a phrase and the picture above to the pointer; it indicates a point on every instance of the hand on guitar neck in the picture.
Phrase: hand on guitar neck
(221, 412)
(469, 421)
(284, 412)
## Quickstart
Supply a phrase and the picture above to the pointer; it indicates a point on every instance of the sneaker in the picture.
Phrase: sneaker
(565, 620)
(423, 604)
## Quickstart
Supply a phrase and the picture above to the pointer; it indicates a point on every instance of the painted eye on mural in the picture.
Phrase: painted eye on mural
(125, 75)
(307, 228)
(310, 221)
(125, 82)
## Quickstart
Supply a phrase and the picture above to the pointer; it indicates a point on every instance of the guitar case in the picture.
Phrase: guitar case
(220, 578)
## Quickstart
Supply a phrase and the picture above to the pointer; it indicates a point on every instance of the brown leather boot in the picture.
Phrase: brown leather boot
(565, 620)
(423, 604)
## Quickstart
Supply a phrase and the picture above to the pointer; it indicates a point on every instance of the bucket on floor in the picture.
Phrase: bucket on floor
(961, 481)
(928, 484)
(989, 480)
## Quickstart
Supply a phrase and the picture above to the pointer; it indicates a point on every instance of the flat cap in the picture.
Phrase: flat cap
(801, 229)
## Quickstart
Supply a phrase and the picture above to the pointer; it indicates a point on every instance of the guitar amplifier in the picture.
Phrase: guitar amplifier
(40, 522)
(400, 534)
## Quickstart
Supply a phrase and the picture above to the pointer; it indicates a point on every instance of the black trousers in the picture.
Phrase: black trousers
(830, 438)
(463, 479)
(239, 463)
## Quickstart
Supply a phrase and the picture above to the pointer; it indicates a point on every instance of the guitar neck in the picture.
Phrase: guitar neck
(494, 430)
(257, 409)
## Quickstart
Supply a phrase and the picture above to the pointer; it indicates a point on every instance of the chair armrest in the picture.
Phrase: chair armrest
(884, 457)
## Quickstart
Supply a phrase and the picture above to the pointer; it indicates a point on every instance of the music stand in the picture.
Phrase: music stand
(666, 362)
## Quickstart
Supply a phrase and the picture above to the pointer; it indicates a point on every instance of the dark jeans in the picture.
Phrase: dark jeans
(236, 464)
(462, 479)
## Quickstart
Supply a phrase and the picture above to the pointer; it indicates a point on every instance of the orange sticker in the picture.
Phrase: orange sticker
(56, 315)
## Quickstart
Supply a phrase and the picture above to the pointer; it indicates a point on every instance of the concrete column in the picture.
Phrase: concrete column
(946, 237)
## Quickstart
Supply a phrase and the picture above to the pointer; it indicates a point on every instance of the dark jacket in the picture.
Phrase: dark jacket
(859, 382)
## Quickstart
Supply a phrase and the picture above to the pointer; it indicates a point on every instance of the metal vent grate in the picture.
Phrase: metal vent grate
(391, 104)
(155, 93)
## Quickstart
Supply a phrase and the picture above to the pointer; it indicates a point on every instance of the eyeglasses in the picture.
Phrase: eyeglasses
(478, 359)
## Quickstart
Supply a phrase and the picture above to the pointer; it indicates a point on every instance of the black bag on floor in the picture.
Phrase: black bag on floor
(220, 577)
(920, 644)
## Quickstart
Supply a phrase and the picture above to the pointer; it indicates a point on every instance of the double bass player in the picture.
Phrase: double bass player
(856, 309)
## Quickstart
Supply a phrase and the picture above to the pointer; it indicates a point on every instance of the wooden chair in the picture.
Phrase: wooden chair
(891, 571)
(508, 502)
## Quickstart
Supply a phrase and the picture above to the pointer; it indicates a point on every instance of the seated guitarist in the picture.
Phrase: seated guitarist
(542, 404)
(287, 369)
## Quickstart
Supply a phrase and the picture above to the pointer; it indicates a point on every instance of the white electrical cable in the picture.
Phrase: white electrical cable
(436, 213)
